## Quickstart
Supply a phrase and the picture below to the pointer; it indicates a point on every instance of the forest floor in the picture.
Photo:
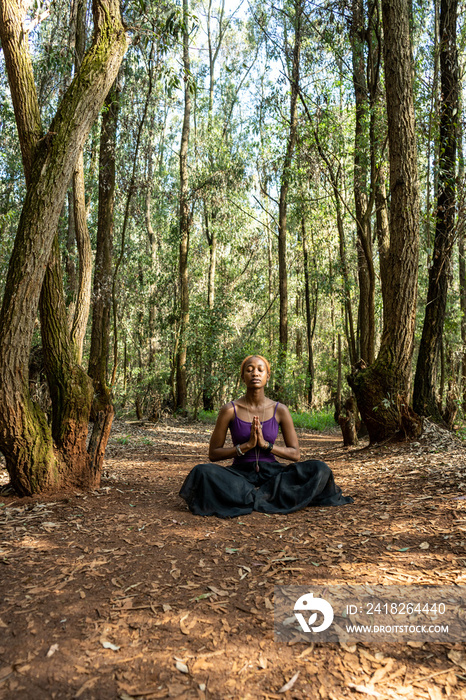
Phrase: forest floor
(123, 593)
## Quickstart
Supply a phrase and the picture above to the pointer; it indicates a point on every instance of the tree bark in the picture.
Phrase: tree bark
(382, 389)
(102, 407)
(461, 255)
(21, 79)
(211, 235)
(425, 399)
(311, 314)
(83, 241)
(363, 205)
(181, 387)
(70, 387)
(284, 187)
(377, 138)
(33, 461)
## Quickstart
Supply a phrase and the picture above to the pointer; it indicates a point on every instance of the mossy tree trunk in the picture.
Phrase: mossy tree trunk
(39, 457)
(83, 241)
(382, 389)
(70, 388)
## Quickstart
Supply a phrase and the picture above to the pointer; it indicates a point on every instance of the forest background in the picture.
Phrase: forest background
(232, 197)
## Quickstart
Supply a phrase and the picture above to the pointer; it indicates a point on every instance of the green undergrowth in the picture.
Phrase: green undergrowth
(317, 420)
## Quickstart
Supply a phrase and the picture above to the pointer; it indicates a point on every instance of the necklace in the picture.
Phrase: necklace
(256, 449)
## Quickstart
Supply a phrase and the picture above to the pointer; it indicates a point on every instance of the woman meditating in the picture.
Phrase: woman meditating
(255, 480)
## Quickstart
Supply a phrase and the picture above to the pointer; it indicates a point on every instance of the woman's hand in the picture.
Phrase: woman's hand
(252, 442)
(261, 442)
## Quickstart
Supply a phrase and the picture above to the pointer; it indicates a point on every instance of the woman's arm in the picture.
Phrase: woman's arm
(217, 451)
(291, 451)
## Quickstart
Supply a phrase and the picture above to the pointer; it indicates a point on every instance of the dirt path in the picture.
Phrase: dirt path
(122, 593)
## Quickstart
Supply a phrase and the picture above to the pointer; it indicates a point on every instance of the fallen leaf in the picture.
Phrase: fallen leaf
(109, 645)
(363, 689)
(458, 658)
(290, 683)
(262, 662)
(5, 672)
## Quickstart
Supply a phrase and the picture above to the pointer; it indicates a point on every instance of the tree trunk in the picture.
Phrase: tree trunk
(311, 314)
(342, 246)
(83, 299)
(363, 205)
(83, 241)
(21, 80)
(383, 236)
(70, 263)
(33, 461)
(102, 407)
(153, 244)
(70, 388)
(284, 187)
(382, 389)
(424, 398)
(461, 224)
(211, 235)
(377, 138)
(153, 235)
(433, 122)
(181, 388)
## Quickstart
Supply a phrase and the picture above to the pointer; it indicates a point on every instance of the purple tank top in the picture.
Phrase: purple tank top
(240, 431)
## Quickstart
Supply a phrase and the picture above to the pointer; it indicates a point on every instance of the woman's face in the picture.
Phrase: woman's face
(255, 373)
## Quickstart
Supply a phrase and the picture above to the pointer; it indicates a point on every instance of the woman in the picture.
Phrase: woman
(255, 480)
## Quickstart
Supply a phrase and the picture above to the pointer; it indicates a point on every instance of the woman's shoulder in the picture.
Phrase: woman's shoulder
(282, 412)
(227, 410)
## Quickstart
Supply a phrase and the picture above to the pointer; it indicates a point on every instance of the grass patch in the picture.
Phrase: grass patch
(123, 440)
(207, 417)
(318, 420)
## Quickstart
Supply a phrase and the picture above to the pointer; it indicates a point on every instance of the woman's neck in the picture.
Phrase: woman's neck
(255, 397)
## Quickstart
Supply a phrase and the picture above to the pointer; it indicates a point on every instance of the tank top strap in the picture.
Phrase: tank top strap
(234, 408)
(276, 406)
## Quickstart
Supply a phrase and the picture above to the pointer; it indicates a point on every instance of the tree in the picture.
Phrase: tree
(425, 400)
(185, 222)
(83, 241)
(363, 202)
(38, 456)
(382, 389)
(292, 62)
(102, 408)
